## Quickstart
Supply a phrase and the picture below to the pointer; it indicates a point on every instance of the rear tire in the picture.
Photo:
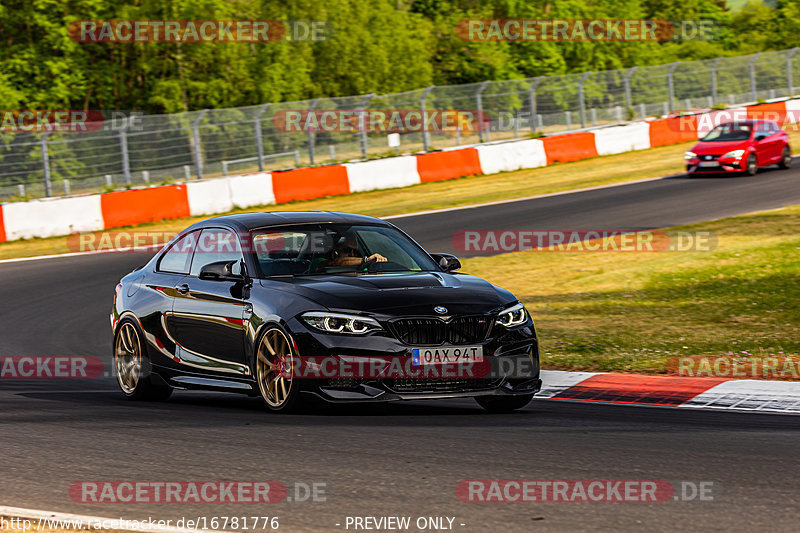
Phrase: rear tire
(786, 158)
(132, 365)
(752, 165)
(503, 404)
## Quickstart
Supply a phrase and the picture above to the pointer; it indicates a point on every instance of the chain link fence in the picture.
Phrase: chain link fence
(156, 149)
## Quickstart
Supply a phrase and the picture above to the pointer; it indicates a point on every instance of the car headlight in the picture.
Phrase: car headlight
(340, 323)
(689, 155)
(513, 316)
(734, 154)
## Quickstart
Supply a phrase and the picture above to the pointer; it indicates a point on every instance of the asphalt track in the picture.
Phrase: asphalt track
(403, 459)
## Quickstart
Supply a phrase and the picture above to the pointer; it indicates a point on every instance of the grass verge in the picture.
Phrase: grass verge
(632, 311)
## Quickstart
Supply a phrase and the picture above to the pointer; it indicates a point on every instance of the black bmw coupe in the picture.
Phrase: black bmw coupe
(345, 307)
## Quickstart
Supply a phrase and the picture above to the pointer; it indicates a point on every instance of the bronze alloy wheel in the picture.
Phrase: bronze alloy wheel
(274, 370)
(128, 358)
(132, 366)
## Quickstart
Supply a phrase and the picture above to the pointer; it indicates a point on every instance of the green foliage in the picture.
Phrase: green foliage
(376, 46)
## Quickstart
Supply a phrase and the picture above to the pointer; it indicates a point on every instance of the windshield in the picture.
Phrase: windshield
(729, 132)
(336, 249)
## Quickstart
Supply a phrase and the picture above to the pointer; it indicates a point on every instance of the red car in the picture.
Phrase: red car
(740, 146)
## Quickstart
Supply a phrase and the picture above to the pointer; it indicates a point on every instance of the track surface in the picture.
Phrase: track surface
(403, 459)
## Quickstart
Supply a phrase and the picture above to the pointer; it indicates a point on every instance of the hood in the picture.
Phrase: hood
(719, 148)
(397, 294)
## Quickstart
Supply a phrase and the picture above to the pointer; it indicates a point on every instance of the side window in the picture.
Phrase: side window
(179, 256)
(215, 245)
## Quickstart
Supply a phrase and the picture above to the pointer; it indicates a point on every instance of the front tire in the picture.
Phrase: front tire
(503, 404)
(786, 158)
(132, 365)
(752, 165)
(274, 371)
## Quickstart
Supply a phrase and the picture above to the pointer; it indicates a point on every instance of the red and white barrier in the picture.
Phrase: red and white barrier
(792, 111)
(208, 197)
(671, 391)
(382, 173)
(251, 190)
(619, 139)
(515, 155)
(52, 217)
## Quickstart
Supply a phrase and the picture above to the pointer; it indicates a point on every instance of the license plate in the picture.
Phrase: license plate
(709, 164)
(441, 355)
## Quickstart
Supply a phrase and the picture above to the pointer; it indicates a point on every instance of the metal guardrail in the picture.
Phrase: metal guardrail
(260, 159)
(176, 147)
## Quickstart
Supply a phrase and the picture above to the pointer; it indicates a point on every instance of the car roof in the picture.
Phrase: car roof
(251, 221)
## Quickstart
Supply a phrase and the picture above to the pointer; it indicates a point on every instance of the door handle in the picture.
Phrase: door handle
(183, 288)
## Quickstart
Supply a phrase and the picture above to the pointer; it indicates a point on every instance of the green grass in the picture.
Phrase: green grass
(632, 311)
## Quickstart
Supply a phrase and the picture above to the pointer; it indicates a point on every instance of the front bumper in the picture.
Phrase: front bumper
(380, 391)
(511, 367)
(723, 166)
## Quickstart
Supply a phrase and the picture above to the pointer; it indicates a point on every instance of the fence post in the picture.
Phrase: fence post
(714, 79)
(753, 75)
(532, 102)
(198, 157)
(126, 164)
(581, 103)
(362, 126)
(425, 138)
(257, 131)
(671, 85)
(66, 187)
(479, 104)
(46, 165)
(628, 103)
(789, 70)
(310, 132)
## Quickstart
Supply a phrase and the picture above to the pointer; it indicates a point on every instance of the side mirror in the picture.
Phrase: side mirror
(447, 262)
(221, 271)
(761, 136)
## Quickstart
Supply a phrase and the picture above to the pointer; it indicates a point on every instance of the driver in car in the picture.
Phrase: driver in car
(346, 253)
